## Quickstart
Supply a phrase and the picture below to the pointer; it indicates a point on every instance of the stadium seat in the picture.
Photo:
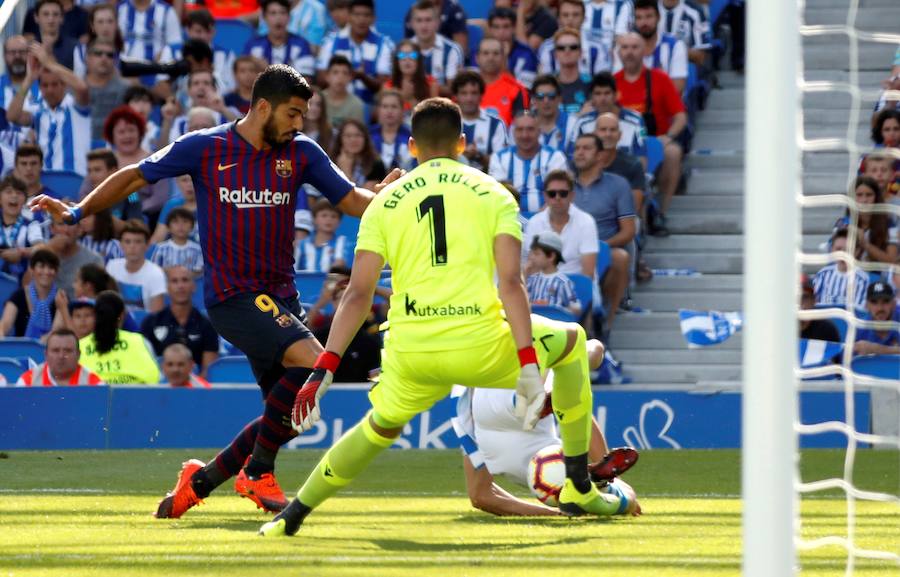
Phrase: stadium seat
(554, 312)
(230, 370)
(139, 315)
(879, 366)
(476, 33)
(654, 153)
(232, 35)
(197, 297)
(393, 29)
(309, 285)
(475, 8)
(8, 285)
(348, 227)
(604, 259)
(11, 369)
(20, 347)
(97, 143)
(584, 290)
(65, 183)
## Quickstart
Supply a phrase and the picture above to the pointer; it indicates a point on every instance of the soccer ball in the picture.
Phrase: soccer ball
(547, 474)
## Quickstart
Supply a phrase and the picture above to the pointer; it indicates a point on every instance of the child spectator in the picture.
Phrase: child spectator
(179, 250)
(548, 286)
(245, 68)
(324, 249)
(31, 311)
(143, 284)
(19, 232)
(340, 102)
(81, 318)
(830, 283)
(184, 198)
(99, 235)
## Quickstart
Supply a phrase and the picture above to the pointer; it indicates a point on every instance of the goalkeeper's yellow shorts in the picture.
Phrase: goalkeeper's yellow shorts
(411, 382)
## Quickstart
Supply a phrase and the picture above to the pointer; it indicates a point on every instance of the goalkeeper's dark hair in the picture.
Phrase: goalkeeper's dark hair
(279, 83)
(109, 307)
(436, 123)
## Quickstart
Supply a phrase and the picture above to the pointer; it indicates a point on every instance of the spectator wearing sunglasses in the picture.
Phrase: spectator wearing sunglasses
(554, 122)
(409, 77)
(574, 86)
(576, 227)
(595, 57)
(106, 87)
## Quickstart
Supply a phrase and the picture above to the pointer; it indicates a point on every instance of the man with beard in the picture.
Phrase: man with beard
(248, 178)
(880, 306)
(15, 56)
(662, 51)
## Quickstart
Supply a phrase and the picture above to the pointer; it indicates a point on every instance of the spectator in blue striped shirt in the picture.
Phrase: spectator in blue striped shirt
(369, 51)
(555, 124)
(485, 132)
(323, 249)
(308, 18)
(98, 235)
(830, 283)
(442, 57)
(62, 122)
(280, 46)
(548, 286)
(179, 250)
(19, 232)
(686, 21)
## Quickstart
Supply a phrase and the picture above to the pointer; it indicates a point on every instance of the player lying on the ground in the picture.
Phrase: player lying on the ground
(446, 229)
(248, 177)
(494, 443)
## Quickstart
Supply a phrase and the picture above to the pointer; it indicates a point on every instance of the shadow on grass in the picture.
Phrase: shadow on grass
(406, 546)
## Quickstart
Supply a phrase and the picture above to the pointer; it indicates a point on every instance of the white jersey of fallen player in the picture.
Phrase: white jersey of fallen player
(491, 435)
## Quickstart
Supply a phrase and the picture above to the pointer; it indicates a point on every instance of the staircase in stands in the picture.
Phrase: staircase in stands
(707, 223)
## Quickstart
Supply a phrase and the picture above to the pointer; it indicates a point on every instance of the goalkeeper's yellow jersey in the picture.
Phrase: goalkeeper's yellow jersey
(436, 226)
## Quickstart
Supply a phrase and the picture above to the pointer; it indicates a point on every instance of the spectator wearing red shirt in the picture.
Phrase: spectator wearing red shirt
(61, 365)
(503, 94)
(666, 116)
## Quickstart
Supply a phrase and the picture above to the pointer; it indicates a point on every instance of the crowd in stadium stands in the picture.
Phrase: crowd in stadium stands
(875, 238)
(560, 100)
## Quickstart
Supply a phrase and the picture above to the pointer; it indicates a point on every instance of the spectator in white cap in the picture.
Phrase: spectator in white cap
(548, 286)
(881, 305)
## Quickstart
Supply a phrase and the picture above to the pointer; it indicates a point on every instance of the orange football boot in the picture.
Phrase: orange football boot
(264, 491)
(182, 497)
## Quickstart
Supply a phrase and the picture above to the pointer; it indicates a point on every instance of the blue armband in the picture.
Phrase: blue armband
(76, 213)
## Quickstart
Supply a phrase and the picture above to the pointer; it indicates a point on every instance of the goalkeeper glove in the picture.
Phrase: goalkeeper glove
(306, 412)
(530, 395)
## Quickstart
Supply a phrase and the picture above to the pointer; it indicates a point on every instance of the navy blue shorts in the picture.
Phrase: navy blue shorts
(263, 326)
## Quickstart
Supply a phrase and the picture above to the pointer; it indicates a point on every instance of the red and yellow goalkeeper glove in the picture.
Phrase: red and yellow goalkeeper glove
(306, 411)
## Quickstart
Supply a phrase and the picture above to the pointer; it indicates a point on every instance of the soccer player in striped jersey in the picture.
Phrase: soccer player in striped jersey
(447, 230)
(442, 57)
(595, 56)
(485, 132)
(527, 162)
(247, 178)
(686, 21)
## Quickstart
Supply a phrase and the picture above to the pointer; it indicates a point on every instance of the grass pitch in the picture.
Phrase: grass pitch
(89, 514)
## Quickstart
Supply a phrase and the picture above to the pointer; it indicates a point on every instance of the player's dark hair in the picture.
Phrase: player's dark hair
(594, 138)
(436, 123)
(96, 276)
(466, 77)
(560, 174)
(137, 92)
(883, 117)
(201, 17)
(63, 333)
(545, 79)
(28, 150)
(44, 256)
(603, 80)
(106, 155)
(264, 4)
(502, 13)
(127, 114)
(182, 213)
(279, 83)
(136, 226)
(646, 5)
(109, 308)
(15, 183)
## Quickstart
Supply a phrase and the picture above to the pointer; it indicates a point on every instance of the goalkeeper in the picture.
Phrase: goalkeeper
(445, 228)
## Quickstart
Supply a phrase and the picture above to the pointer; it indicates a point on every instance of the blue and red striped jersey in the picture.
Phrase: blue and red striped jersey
(246, 199)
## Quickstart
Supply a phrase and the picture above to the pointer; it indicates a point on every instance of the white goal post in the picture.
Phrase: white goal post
(772, 183)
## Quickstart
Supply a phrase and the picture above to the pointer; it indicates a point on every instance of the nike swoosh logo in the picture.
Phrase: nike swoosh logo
(227, 166)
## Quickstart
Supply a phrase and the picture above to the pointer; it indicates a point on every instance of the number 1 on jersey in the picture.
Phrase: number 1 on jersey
(434, 204)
